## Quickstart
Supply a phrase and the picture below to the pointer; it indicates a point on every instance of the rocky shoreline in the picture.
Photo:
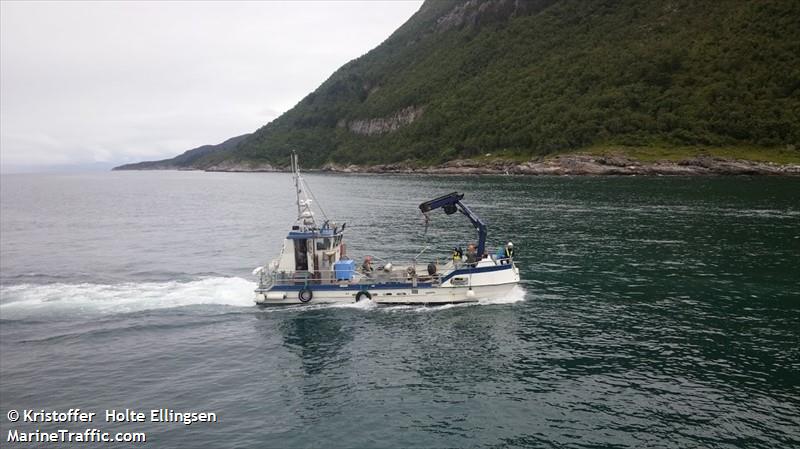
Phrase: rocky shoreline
(572, 164)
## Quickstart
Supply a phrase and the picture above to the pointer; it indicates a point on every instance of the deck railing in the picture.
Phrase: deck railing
(329, 277)
(377, 276)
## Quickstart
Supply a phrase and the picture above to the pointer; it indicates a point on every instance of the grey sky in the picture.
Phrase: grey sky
(116, 82)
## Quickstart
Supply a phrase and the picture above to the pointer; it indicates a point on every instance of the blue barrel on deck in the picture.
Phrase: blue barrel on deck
(344, 269)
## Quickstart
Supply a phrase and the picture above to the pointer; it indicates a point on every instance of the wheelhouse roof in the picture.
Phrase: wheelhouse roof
(319, 234)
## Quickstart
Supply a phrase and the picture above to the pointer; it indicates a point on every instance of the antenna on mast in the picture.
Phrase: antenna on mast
(304, 212)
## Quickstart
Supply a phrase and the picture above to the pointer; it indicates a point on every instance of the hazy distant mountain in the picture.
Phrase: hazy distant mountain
(58, 168)
(527, 78)
(188, 159)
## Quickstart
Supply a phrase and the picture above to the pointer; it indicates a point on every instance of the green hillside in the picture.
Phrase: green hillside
(525, 79)
(187, 158)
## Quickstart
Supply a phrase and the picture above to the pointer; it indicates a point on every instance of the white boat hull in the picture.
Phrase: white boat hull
(486, 281)
(431, 296)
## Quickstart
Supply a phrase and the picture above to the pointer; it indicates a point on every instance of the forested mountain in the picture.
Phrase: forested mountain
(529, 78)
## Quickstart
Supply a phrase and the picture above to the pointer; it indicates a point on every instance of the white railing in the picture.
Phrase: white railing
(328, 277)
(268, 279)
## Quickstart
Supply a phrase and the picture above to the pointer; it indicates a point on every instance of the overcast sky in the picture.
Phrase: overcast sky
(115, 82)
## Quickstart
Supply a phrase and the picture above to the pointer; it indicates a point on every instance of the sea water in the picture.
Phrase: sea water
(659, 312)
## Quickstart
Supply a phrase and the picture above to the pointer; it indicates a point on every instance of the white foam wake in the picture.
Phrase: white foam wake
(30, 301)
(516, 294)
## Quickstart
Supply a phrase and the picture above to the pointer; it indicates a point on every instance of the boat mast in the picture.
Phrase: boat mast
(304, 212)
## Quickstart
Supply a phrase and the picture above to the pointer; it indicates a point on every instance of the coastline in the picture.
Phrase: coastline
(565, 164)
(584, 165)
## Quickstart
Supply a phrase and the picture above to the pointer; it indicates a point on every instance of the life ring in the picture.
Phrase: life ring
(360, 295)
(305, 295)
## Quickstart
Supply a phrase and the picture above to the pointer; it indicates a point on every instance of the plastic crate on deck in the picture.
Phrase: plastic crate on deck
(344, 269)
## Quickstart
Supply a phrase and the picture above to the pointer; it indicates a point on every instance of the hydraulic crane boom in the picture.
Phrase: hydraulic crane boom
(452, 203)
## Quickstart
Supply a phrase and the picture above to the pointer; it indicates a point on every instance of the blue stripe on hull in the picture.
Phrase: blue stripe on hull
(355, 288)
(477, 270)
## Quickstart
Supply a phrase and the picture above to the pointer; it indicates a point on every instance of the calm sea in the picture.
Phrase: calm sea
(654, 312)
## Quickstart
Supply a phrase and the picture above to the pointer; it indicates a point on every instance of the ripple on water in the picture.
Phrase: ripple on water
(653, 313)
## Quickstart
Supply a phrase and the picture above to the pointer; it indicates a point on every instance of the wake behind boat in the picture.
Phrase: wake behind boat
(313, 265)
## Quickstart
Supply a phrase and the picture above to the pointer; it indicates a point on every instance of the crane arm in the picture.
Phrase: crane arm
(452, 203)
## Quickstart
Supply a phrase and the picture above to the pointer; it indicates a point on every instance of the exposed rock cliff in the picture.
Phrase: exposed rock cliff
(382, 125)
(475, 12)
(241, 166)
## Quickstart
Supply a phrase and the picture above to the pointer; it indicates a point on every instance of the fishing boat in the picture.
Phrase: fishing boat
(313, 266)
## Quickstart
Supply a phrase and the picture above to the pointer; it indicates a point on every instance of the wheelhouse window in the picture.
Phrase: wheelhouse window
(301, 255)
(324, 244)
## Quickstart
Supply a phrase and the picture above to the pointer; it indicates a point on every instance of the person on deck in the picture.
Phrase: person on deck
(457, 255)
(472, 255)
(505, 255)
(366, 267)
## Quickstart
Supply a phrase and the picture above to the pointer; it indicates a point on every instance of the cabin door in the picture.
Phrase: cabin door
(301, 255)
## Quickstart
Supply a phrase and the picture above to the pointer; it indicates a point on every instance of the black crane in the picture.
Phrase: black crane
(452, 203)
